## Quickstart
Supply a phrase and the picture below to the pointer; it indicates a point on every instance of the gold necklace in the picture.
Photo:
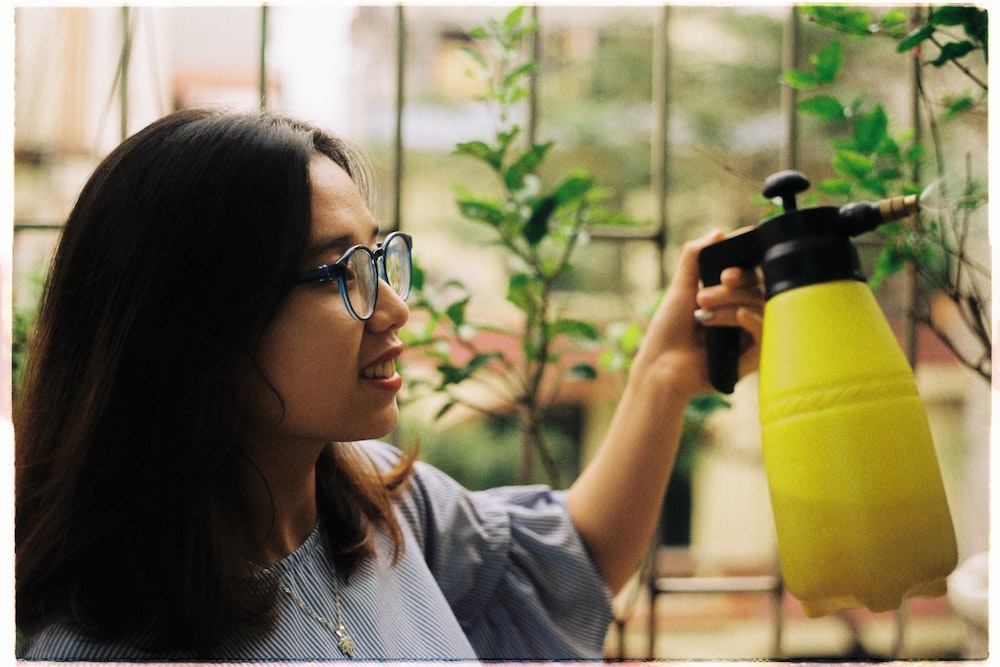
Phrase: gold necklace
(344, 641)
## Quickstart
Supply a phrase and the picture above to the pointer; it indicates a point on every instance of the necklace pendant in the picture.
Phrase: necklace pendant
(345, 643)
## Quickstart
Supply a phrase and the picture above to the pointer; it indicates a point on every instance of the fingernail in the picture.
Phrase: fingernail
(703, 315)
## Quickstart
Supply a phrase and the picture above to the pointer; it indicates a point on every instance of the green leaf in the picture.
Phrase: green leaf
(889, 262)
(871, 130)
(583, 372)
(703, 405)
(891, 230)
(852, 163)
(889, 150)
(514, 96)
(482, 210)
(608, 218)
(976, 22)
(481, 151)
(573, 188)
(476, 55)
(513, 19)
(889, 174)
(951, 15)
(523, 70)
(800, 80)
(522, 291)
(445, 409)
(630, 338)
(893, 18)
(595, 194)
(915, 38)
(417, 277)
(537, 226)
(956, 105)
(577, 329)
(835, 186)
(548, 267)
(875, 186)
(451, 374)
(826, 65)
(952, 51)
(845, 19)
(526, 164)
(824, 107)
(504, 139)
(827, 61)
(456, 311)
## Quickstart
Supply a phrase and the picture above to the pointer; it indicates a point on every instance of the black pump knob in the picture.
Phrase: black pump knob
(785, 184)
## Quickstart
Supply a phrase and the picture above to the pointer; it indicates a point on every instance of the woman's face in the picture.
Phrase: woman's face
(336, 376)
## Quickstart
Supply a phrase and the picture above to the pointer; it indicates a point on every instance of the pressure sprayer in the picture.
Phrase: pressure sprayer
(859, 505)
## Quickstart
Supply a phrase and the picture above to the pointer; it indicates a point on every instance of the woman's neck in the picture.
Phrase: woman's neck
(280, 493)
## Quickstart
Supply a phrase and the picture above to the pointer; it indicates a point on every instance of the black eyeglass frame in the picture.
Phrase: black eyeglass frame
(338, 272)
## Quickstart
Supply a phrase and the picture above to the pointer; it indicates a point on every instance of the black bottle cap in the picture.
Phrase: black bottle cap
(804, 246)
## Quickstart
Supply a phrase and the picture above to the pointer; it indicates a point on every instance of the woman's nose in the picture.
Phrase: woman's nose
(390, 309)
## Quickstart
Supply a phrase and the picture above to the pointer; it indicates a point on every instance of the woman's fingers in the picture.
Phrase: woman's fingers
(718, 305)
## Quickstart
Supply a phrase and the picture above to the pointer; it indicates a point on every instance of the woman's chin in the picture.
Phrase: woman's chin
(381, 425)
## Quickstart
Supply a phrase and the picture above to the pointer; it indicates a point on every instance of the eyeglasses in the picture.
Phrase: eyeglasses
(357, 273)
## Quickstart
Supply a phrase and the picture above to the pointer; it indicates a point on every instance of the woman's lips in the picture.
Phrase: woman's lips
(382, 372)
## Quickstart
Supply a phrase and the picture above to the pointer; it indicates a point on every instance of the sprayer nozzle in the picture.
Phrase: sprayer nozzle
(896, 208)
(861, 217)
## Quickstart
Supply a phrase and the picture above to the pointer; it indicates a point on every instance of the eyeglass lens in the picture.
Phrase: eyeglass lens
(362, 279)
(396, 264)
(362, 283)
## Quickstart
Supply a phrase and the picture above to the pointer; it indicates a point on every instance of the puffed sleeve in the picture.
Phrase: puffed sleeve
(511, 564)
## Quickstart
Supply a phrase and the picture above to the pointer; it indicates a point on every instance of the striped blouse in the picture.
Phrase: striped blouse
(491, 575)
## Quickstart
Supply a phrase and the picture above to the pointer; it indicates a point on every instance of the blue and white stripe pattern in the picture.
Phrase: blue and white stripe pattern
(491, 575)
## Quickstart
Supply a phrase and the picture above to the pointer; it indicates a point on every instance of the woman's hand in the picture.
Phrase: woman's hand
(673, 350)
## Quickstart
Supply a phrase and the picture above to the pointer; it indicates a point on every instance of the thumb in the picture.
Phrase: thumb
(687, 266)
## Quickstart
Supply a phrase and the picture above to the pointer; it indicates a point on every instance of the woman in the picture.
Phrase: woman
(195, 475)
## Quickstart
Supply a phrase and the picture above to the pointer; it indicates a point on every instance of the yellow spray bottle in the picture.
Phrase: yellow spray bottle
(859, 504)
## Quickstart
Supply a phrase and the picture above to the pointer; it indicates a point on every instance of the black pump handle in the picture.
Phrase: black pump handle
(723, 343)
(785, 184)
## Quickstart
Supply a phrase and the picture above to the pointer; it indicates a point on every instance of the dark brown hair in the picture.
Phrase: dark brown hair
(174, 259)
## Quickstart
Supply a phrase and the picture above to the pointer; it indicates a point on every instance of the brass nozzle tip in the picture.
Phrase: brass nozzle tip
(896, 208)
